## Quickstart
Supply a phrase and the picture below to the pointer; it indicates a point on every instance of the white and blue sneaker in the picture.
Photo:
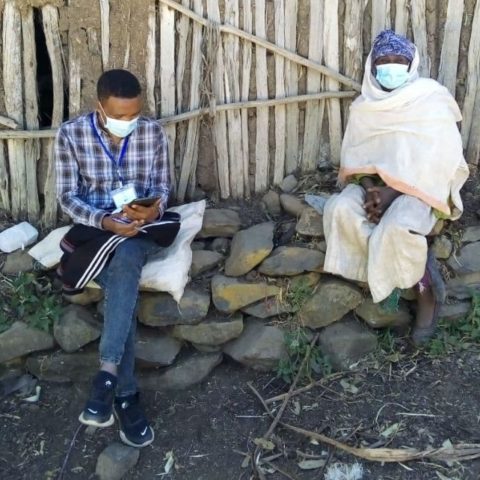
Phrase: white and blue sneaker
(134, 427)
(98, 410)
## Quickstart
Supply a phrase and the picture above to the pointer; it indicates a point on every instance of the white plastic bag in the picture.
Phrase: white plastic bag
(48, 252)
(19, 236)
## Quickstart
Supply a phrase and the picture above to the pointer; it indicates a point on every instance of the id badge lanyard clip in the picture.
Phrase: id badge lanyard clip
(116, 164)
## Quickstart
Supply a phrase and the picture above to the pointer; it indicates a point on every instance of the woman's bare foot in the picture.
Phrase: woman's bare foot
(426, 319)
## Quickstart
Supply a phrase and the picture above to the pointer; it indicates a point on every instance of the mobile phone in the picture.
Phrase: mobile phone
(144, 202)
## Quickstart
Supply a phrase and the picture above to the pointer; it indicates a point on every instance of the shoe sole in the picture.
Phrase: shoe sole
(95, 423)
(126, 441)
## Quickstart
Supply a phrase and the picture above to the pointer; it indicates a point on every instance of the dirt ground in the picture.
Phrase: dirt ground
(210, 427)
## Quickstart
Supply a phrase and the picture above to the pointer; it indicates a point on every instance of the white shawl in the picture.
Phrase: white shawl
(409, 138)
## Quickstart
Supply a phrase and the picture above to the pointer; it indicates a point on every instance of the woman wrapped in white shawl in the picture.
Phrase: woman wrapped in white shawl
(403, 164)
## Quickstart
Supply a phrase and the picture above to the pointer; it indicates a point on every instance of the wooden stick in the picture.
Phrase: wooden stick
(314, 110)
(150, 58)
(8, 122)
(183, 117)
(447, 74)
(74, 75)
(12, 84)
(353, 45)
(419, 26)
(380, 9)
(330, 46)
(167, 80)
(54, 47)
(105, 31)
(269, 46)
(280, 111)
(231, 54)
(189, 158)
(4, 179)
(292, 153)
(32, 146)
(473, 77)
(220, 120)
(245, 89)
(262, 121)
(401, 17)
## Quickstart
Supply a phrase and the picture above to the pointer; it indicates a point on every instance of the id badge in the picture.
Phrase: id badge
(123, 195)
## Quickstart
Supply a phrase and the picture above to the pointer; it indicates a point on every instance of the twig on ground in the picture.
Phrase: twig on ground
(258, 450)
(333, 376)
(283, 472)
(451, 453)
(69, 451)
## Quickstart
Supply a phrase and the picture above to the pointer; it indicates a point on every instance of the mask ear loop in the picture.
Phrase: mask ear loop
(104, 121)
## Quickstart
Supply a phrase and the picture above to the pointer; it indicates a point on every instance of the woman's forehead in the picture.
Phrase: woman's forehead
(392, 58)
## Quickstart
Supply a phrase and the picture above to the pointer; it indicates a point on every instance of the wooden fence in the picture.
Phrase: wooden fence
(248, 90)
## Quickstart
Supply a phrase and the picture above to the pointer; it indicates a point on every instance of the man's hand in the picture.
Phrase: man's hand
(378, 199)
(141, 213)
(122, 229)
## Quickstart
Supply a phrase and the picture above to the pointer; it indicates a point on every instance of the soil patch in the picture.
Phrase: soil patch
(209, 425)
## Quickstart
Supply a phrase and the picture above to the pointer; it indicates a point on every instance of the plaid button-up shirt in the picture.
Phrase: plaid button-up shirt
(86, 175)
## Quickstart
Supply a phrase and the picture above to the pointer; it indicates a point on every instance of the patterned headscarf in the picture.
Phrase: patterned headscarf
(389, 43)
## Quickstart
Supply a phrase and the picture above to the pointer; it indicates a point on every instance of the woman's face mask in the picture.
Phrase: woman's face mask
(119, 128)
(392, 75)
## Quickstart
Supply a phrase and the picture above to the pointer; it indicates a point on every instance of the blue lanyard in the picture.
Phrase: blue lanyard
(117, 164)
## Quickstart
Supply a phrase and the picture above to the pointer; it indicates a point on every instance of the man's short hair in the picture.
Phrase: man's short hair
(118, 83)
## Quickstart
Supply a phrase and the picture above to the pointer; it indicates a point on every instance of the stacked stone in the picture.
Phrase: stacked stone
(240, 278)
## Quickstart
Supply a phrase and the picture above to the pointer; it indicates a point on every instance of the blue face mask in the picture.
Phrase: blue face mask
(392, 75)
(119, 128)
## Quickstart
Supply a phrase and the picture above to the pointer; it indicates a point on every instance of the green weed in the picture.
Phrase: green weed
(297, 342)
(298, 294)
(30, 298)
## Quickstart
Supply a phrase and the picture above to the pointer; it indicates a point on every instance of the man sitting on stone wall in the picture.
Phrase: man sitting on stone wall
(106, 159)
(403, 162)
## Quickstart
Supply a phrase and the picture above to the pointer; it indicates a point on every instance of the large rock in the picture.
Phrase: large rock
(220, 222)
(160, 309)
(346, 342)
(260, 347)
(442, 247)
(288, 183)
(64, 367)
(185, 373)
(463, 286)
(87, 297)
(271, 201)
(329, 303)
(454, 311)
(306, 280)
(116, 461)
(204, 260)
(269, 307)
(20, 339)
(292, 205)
(249, 248)
(220, 245)
(310, 223)
(75, 328)
(229, 294)
(155, 347)
(18, 262)
(287, 261)
(214, 330)
(376, 317)
(467, 260)
(471, 234)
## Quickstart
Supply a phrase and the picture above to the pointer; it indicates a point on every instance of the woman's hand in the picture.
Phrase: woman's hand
(378, 201)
